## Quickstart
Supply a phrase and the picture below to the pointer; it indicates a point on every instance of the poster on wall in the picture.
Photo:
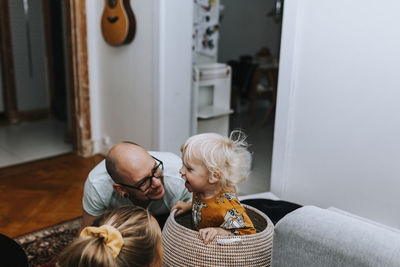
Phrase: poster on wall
(205, 27)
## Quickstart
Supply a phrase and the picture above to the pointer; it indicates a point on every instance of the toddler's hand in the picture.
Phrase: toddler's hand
(181, 207)
(208, 234)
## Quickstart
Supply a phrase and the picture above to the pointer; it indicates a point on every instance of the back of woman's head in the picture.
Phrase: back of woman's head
(225, 157)
(140, 234)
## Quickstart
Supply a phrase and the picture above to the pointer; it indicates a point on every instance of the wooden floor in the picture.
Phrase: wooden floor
(42, 193)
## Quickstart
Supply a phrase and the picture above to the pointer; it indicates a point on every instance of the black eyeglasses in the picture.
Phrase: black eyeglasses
(146, 182)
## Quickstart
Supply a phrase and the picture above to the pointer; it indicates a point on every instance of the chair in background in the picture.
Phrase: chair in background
(264, 86)
(242, 75)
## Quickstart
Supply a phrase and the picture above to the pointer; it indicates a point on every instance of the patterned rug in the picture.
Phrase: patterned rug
(42, 246)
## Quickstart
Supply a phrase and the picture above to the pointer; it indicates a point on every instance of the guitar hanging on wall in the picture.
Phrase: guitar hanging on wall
(118, 23)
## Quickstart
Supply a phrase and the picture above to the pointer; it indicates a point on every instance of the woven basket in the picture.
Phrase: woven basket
(183, 247)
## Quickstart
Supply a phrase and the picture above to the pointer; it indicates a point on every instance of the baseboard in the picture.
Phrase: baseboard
(33, 115)
(266, 195)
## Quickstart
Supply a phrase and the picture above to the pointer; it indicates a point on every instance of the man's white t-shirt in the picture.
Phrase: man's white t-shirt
(99, 194)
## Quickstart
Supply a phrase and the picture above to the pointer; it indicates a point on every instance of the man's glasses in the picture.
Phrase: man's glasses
(146, 182)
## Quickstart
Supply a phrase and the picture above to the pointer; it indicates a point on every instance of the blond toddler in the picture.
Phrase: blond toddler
(212, 167)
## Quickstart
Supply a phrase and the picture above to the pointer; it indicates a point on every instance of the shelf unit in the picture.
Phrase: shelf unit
(211, 98)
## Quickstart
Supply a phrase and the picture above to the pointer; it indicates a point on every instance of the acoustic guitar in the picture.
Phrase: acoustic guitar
(118, 23)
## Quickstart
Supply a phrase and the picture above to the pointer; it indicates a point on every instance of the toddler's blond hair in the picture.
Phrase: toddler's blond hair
(227, 156)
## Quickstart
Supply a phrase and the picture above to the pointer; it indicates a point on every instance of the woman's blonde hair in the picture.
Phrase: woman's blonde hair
(139, 230)
(226, 156)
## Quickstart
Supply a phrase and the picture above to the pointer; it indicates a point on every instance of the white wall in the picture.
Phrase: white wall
(175, 72)
(246, 28)
(337, 131)
(141, 91)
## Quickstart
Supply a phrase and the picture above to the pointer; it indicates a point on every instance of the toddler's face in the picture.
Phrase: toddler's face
(196, 176)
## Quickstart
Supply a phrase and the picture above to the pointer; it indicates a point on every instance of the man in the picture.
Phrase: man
(131, 176)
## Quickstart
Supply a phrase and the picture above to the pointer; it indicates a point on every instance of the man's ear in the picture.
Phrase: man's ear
(214, 178)
(119, 189)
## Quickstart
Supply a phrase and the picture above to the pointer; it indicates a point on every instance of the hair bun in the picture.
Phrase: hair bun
(111, 236)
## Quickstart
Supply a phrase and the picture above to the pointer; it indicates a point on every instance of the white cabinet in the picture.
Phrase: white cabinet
(211, 81)
(211, 98)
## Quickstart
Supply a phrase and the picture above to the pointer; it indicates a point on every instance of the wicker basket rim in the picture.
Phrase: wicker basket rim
(268, 228)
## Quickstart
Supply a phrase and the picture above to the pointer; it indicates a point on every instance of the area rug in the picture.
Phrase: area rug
(42, 246)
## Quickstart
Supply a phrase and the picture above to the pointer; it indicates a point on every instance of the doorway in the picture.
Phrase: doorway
(44, 82)
(250, 34)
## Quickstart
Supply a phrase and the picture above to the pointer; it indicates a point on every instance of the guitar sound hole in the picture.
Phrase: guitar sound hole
(112, 3)
(112, 20)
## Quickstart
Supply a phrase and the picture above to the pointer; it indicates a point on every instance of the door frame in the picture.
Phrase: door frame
(78, 76)
(8, 78)
(77, 69)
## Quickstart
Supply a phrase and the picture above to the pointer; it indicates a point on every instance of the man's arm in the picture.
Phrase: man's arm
(87, 220)
(91, 201)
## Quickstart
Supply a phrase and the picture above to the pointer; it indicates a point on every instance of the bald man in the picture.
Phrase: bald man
(132, 176)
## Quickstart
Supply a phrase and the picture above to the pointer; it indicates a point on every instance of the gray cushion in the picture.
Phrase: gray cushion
(312, 236)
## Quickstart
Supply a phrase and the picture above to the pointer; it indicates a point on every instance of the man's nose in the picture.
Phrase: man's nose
(156, 182)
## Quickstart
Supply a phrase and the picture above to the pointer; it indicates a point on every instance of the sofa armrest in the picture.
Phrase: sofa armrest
(311, 236)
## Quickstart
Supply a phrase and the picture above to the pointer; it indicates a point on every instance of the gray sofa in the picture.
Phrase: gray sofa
(311, 236)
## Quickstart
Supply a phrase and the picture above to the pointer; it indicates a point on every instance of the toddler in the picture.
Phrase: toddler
(212, 166)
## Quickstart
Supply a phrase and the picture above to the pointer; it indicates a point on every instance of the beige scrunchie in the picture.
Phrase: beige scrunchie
(112, 237)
